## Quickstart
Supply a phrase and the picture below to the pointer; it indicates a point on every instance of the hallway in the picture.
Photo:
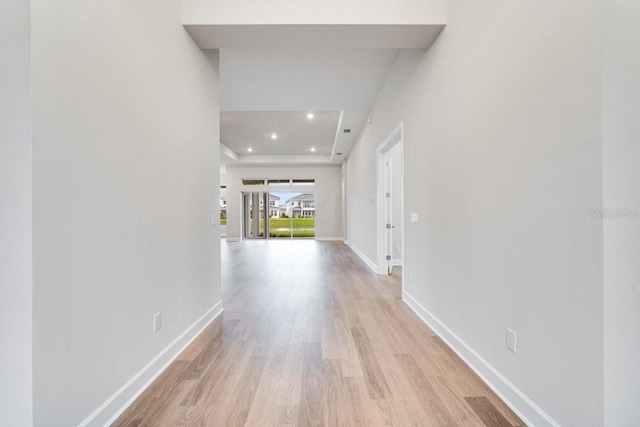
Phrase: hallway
(310, 336)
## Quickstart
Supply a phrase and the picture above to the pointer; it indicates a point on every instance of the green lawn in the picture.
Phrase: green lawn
(297, 223)
(296, 233)
(280, 227)
(302, 227)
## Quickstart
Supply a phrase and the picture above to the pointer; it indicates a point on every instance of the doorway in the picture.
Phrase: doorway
(390, 190)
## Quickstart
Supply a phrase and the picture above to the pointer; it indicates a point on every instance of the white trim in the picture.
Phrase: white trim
(335, 137)
(228, 152)
(330, 239)
(284, 160)
(397, 262)
(115, 405)
(522, 405)
(233, 239)
(362, 256)
(290, 188)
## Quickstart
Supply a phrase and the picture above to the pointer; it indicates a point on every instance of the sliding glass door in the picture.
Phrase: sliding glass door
(297, 216)
(278, 215)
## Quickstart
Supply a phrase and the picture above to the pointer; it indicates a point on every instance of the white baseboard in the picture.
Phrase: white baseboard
(114, 406)
(524, 407)
(363, 257)
(330, 239)
(397, 263)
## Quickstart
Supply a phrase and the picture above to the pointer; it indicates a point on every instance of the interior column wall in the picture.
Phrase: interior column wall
(125, 182)
(621, 132)
(15, 215)
(503, 164)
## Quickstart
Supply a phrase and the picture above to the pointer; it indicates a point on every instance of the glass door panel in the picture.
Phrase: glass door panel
(296, 215)
(253, 213)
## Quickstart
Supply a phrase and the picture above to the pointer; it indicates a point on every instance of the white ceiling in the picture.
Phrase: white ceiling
(296, 134)
(288, 60)
(271, 90)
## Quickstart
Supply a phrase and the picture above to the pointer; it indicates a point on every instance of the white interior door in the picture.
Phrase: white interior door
(385, 184)
(388, 211)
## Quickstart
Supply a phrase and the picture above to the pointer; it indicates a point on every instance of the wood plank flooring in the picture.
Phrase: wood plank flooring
(311, 337)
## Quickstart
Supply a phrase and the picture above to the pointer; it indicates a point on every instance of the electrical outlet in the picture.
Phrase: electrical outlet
(157, 322)
(511, 340)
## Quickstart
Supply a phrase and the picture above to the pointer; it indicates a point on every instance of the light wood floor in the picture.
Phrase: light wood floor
(310, 337)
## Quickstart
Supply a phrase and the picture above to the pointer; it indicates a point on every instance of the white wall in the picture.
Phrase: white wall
(327, 188)
(502, 124)
(361, 198)
(248, 12)
(15, 215)
(621, 132)
(125, 179)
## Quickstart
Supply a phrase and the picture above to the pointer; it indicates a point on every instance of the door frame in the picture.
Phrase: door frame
(395, 137)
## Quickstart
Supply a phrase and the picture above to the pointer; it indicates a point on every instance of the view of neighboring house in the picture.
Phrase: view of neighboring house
(282, 210)
(301, 206)
(274, 211)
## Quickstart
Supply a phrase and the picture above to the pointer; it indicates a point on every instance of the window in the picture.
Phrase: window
(277, 182)
(253, 182)
(303, 181)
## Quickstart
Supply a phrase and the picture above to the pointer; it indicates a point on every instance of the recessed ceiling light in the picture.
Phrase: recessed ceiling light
(313, 149)
(274, 136)
(309, 116)
(249, 149)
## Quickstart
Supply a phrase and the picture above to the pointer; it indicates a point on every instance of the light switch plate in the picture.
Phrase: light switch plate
(157, 322)
(414, 218)
(511, 340)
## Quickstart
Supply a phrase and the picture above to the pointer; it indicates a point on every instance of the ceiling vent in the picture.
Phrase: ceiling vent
(347, 131)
